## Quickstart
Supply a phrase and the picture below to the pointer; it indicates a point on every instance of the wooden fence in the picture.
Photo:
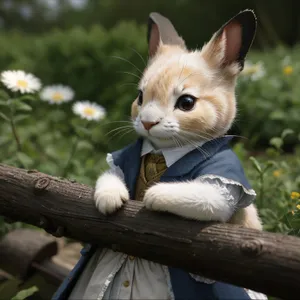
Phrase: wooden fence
(262, 261)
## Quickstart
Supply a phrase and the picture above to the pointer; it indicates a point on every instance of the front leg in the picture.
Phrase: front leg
(194, 200)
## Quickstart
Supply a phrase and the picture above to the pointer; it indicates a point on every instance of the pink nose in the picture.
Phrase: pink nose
(149, 125)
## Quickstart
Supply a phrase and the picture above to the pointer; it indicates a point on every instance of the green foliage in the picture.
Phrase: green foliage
(50, 138)
(275, 177)
(270, 102)
(25, 293)
(91, 63)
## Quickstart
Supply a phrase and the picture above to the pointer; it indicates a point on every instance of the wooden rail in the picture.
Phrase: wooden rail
(261, 261)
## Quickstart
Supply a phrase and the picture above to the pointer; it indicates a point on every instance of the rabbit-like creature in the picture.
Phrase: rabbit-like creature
(181, 163)
(187, 102)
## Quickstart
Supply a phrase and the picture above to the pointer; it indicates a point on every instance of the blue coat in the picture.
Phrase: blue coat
(217, 159)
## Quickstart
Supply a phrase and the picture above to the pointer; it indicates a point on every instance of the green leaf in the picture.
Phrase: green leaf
(277, 115)
(256, 164)
(17, 104)
(24, 159)
(23, 106)
(286, 132)
(27, 97)
(277, 142)
(292, 220)
(20, 118)
(25, 293)
(3, 116)
(269, 165)
(3, 102)
(82, 131)
(84, 145)
(3, 94)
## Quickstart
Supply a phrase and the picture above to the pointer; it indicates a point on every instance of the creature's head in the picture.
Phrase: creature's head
(189, 96)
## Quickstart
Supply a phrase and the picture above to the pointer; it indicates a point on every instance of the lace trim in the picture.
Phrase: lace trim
(110, 278)
(113, 168)
(229, 181)
(168, 278)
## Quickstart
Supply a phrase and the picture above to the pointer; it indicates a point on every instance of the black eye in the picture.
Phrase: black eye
(185, 102)
(140, 98)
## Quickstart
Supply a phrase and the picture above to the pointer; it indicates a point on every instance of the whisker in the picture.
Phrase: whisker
(129, 131)
(129, 73)
(139, 55)
(122, 121)
(238, 136)
(181, 144)
(200, 149)
(115, 135)
(175, 141)
(129, 83)
(201, 135)
(111, 122)
(118, 128)
(126, 60)
(194, 144)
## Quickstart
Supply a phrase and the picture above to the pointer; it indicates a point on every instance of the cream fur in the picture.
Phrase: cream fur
(193, 200)
(174, 72)
(247, 217)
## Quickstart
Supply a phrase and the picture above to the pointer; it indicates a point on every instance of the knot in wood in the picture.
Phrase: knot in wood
(32, 171)
(42, 183)
(252, 247)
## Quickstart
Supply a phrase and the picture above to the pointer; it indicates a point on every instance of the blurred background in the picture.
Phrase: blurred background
(96, 46)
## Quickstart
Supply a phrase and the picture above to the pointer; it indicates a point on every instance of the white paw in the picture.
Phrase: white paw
(110, 193)
(156, 197)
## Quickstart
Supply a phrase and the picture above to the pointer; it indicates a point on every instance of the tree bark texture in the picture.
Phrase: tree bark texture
(262, 261)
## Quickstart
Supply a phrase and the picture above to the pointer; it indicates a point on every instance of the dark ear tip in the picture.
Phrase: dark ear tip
(246, 17)
(248, 12)
(248, 21)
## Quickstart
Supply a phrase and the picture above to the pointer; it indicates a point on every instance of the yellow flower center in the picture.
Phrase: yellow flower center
(298, 206)
(57, 97)
(22, 83)
(89, 111)
(276, 173)
(287, 70)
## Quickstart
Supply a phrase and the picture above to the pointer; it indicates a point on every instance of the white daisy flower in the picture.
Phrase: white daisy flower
(19, 81)
(89, 111)
(57, 94)
(254, 71)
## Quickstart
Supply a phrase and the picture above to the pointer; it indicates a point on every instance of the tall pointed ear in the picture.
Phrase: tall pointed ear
(230, 44)
(161, 31)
